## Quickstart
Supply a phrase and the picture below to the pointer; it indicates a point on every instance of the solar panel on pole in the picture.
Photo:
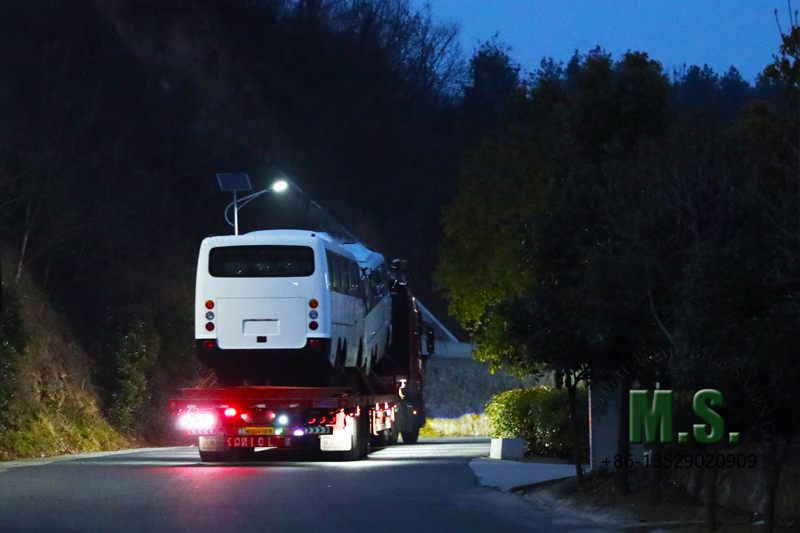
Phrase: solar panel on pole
(234, 182)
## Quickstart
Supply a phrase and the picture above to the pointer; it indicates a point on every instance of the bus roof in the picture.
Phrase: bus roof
(364, 256)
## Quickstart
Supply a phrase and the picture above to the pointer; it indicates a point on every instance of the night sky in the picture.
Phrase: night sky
(742, 33)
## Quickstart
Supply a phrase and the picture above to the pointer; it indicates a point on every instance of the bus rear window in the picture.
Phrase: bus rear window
(271, 261)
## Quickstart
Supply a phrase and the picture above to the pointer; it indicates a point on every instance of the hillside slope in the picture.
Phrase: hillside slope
(48, 405)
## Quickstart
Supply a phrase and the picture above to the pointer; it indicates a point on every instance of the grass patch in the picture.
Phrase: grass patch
(49, 430)
(469, 425)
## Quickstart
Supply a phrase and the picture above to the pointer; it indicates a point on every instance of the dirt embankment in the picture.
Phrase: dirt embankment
(598, 501)
(48, 405)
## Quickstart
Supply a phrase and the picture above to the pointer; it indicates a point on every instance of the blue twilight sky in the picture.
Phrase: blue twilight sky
(742, 33)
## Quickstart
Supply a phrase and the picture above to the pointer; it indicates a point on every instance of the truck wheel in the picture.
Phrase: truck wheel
(410, 436)
(214, 457)
(364, 434)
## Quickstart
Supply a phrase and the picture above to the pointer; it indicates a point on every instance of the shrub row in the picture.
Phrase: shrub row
(540, 416)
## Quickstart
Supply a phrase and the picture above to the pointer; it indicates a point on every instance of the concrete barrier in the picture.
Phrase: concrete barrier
(507, 449)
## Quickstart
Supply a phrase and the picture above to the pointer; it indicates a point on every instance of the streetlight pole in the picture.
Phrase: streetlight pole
(235, 215)
(240, 182)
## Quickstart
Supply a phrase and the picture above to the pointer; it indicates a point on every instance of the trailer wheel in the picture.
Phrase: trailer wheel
(391, 437)
(364, 434)
(410, 436)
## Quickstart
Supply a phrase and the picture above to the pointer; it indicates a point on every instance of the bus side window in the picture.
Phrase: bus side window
(355, 279)
(379, 280)
(366, 288)
(344, 281)
(333, 271)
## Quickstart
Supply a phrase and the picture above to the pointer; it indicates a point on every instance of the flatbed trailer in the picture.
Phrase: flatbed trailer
(232, 423)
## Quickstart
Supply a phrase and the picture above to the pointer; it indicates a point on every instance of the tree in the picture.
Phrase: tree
(520, 234)
(493, 80)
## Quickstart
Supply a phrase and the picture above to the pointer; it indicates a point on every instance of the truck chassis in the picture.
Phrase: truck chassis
(231, 423)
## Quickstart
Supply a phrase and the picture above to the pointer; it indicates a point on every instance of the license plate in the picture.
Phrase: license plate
(331, 443)
(212, 444)
(256, 431)
(255, 442)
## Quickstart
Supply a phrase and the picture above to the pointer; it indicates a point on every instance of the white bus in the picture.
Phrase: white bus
(289, 307)
(377, 304)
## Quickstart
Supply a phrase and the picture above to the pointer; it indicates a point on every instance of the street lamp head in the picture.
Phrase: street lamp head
(280, 186)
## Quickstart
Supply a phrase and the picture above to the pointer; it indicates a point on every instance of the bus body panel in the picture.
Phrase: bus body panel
(244, 310)
(262, 323)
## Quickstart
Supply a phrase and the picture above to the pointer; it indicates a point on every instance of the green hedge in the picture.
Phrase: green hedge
(540, 416)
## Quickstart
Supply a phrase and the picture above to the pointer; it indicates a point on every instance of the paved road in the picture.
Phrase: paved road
(419, 488)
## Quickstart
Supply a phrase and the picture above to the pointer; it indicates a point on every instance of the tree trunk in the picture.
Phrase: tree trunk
(623, 435)
(27, 233)
(576, 431)
(711, 493)
(656, 450)
(697, 484)
(774, 461)
(47, 268)
(654, 475)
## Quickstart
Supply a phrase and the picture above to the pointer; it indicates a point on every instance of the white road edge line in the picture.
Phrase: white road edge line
(36, 461)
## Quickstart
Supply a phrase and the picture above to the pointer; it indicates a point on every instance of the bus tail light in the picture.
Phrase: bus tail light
(313, 342)
(210, 326)
(209, 344)
(313, 326)
(313, 304)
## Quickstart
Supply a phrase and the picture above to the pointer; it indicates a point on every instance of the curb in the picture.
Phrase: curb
(36, 461)
(538, 484)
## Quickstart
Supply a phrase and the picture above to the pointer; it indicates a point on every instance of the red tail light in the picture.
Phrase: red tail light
(209, 344)
(313, 342)
(210, 327)
(313, 326)
(230, 412)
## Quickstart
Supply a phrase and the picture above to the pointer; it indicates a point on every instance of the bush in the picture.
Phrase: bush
(135, 360)
(540, 416)
(13, 340)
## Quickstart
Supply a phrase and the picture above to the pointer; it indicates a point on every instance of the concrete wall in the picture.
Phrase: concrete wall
(604, 403)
